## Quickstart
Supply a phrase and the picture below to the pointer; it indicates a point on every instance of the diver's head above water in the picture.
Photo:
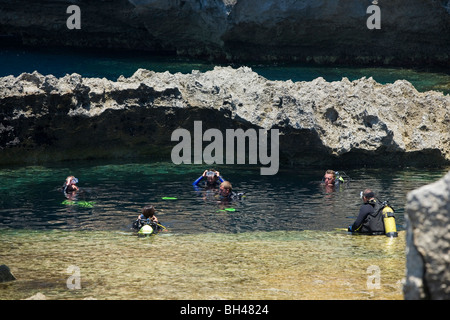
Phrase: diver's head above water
(148, 212)
(225, 189)
(211, 176)
(329, 179)
(367, 196)
(70, 184)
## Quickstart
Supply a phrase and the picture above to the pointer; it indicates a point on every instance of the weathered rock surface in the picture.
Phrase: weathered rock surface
(37, 296)
(414, 32)
(5, 274)
(428, 242)
(354, 123)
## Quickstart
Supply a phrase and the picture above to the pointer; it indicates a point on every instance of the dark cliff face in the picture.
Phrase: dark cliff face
(321, 31)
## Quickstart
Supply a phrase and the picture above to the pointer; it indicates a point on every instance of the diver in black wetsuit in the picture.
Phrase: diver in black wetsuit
(370, 218)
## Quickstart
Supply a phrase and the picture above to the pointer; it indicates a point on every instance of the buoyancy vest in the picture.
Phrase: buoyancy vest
(373, 223)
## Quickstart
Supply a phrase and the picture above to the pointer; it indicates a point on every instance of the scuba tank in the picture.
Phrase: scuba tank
(145, 230)
(144, 226)
(338, 176)
(342, 176)
(389, 220)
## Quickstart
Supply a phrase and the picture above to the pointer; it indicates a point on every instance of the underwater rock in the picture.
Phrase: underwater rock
(37, 296)
(359, 122)
(428, 242)
(411, 32)
(5, 274)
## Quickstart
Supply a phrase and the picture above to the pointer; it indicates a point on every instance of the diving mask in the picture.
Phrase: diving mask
(210, 174)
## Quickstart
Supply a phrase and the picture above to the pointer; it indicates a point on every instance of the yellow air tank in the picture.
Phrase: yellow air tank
(389, 222)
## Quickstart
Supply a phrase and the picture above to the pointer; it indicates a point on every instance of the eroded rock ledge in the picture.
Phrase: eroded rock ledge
(44, 118)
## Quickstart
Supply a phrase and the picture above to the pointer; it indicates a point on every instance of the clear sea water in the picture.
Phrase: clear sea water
(286, 239)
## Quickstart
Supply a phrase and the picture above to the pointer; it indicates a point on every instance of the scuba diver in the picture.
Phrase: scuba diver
(70, 188)
(70, 184)
(206, 185)
(147, 218)
(374, 218)
(369, 221)
(333, 179)
(211, 179)
(226, 192)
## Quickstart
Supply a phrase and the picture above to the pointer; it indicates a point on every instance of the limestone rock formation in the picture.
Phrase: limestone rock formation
(428, 242)
(355, 123)
(414, 32)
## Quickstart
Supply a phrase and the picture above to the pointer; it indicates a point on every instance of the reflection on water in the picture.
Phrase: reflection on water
(285, 240)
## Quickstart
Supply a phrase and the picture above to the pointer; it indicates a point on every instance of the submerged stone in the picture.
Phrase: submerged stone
(5, 274)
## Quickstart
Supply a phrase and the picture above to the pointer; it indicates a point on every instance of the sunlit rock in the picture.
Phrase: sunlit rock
(357, 122)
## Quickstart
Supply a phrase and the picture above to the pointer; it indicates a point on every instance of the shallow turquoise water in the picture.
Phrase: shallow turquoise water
(286, 239)
(291, 200)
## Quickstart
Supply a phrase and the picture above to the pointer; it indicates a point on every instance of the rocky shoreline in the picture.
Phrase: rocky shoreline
(361, 122)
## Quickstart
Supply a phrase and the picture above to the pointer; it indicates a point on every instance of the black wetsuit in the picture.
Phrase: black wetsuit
(69, 189)
(369, 220)
(232, 196)
(139, 223)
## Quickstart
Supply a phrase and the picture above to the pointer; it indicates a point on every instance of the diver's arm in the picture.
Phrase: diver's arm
(219, 176)
(363, 213)
(197, 181)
